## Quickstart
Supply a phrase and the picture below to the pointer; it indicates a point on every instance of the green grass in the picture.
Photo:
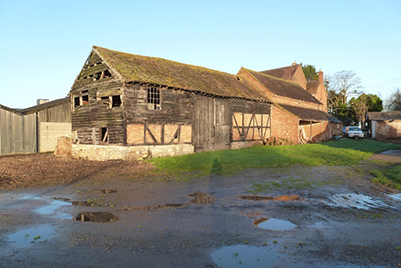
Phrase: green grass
(390, 176)
(346, 152)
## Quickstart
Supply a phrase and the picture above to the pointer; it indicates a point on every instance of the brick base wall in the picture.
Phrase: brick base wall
(244, 144)
(112, 152)
(284, 125)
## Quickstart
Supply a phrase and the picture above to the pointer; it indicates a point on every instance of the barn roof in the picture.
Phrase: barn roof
(43, 106)
(283, 87)
(309, 114)
(284, 73)
(136, 68)
(384, 116)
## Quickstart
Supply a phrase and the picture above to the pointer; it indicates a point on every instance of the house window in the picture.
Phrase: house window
(104, 135)
(153, 99)
(85, 99)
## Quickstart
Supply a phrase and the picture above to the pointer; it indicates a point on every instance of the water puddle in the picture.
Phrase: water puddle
(396, 197)
(30, 236)
(95, 217)
(274, 224)
(358, 201)
(285, 198)
(52, 208)
(245, 256)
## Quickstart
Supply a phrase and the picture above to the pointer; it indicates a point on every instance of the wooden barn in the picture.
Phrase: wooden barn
(130, 106)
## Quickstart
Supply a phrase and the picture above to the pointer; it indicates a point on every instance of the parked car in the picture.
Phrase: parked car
(354, 132)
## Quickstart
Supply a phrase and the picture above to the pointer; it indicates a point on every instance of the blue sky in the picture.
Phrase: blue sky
(44, 44)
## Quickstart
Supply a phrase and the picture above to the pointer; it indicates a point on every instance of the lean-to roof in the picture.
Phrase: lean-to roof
(309, 114)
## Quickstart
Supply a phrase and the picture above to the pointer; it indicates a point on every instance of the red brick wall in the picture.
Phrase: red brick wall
(284, 125)
(390, 130)
(322, 131)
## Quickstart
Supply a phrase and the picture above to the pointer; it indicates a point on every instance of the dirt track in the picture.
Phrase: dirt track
(341, 219)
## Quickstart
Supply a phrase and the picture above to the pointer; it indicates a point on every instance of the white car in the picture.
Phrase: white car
(354, 132)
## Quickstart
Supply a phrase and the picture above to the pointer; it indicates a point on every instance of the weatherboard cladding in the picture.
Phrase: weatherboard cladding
(151, 70)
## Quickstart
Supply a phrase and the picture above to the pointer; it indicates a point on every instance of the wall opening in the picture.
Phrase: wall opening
(104, 135)
(116, 101)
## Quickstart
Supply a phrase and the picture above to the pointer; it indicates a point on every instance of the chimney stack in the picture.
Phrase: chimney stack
(41, 101)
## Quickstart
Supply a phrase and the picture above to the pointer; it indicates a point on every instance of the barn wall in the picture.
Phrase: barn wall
(284, 125)
(17, 133)
(172, 124)
(58, 114)
(88, 119)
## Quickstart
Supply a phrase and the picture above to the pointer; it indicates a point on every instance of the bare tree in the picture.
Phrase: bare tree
(394, 102)
(345, 84)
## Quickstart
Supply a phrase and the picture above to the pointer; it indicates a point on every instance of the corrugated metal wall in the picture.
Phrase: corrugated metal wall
(17, 132)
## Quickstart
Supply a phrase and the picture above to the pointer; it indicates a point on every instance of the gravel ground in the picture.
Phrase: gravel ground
(326, 216)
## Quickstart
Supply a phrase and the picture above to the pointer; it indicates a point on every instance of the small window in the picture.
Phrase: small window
(153, 99)
(104, 135)
(116, 101)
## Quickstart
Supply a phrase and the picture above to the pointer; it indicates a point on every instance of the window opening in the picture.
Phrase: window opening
(85, 100)
(116, 101)
(153, 99)
(76, 102)
(106, 74)
(105, 100)
(104, 135)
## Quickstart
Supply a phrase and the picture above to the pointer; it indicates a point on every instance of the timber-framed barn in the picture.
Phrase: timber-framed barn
(126, 106)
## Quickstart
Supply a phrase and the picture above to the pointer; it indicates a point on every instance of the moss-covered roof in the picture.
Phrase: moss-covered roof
(309, 114)
(136, 68)
(283, 87)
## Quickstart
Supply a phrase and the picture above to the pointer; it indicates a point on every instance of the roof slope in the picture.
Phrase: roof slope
(44, 105)
(384, 116)
(136, 68)
(284, 73)
(309, 114)
(282, 87)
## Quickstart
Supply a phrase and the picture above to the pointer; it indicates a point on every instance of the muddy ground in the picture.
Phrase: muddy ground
(115, 214)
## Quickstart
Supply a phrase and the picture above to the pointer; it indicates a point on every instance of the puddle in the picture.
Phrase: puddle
(201, 198)
(285, 198)
(274, 224)
(358, 201)
(396, 197)
(245, 256)
(50, 209)
(30, 197)
(30, 236)
(95, 217)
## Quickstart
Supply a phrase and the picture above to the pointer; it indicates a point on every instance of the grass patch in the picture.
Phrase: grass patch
(346, 152)
(388, 176)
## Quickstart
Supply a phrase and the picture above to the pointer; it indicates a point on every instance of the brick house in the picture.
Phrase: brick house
(384, 125)
(131, 106)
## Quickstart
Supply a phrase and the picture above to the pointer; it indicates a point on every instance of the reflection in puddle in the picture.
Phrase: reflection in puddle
(358, 201)
(29, 236)
(95, 217)
(274, 224)
(245, 256)
(30, 197)
(201, 198)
